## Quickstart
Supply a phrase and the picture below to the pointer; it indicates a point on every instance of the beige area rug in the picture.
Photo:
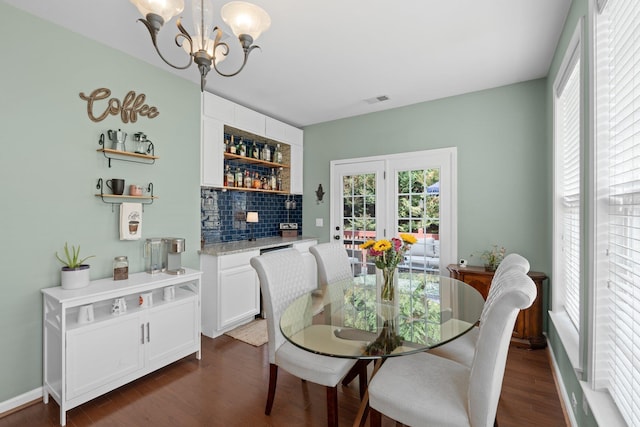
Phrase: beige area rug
(254, 333)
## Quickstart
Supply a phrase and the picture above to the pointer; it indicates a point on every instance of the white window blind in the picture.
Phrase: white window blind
(617, 352)
(568, 131)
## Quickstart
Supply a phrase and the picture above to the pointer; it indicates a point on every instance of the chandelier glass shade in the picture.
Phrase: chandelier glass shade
(247, 21)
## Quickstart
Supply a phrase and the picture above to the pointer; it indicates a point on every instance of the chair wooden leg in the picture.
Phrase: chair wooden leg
(362, 376)
(353, 372)
(273, 379)
(375, 418)
(332, 406)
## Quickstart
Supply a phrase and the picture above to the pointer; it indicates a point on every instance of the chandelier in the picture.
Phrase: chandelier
(247, 22)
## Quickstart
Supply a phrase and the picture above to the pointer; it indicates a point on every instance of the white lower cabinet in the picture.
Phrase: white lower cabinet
(83, 360)
(171, 330)
(231, 288)
(240, 291)
(230, 291)
(102, 353)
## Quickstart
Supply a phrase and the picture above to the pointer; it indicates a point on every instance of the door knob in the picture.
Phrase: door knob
(337, 237)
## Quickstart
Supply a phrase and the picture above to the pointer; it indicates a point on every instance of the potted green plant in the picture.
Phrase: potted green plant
(493, 257)
(74, 273)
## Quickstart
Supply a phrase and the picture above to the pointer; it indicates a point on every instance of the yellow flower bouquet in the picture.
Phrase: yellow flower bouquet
(387, 255)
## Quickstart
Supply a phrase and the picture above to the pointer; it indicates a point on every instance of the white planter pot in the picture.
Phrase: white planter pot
(74, 278)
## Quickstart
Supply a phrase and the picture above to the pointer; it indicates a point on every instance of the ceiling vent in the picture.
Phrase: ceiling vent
(377, 99)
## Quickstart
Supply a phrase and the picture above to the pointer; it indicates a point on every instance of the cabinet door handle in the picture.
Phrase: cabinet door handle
(142, 334)
(148, 332)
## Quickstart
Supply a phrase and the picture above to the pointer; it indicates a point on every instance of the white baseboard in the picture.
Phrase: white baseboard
(563, 389)
(18, 401)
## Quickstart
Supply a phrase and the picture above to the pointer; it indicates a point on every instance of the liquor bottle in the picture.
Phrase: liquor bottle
(266, 153)
(229, 178)
(242, 149)
(272, 181)
(279, 180)
(256, 181)
(238, 180)
(255, 153)
(232, 146)
(277, 156)
(247, 180)
(225, 146)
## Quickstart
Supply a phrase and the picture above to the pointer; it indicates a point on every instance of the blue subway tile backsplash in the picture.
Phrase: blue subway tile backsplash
(222, 214)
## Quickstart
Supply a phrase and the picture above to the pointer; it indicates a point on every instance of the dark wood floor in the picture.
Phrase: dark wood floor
(228, 388)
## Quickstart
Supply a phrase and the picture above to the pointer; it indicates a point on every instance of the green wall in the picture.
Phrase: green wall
(503, 172)
(49, 168)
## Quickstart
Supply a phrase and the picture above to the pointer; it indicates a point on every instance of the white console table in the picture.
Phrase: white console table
(83, 361)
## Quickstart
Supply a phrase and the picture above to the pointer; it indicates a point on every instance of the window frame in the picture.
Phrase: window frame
(594, 385)
(571, 338)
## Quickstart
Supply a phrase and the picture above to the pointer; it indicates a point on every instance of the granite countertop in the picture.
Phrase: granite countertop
(245, 245)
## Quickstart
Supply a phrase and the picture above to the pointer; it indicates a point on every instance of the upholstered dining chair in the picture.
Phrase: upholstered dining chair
(462, 349)
(333, 266)
(333, 262)
(283, 280)
(422, 389)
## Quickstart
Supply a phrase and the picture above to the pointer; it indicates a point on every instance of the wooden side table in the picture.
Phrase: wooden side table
(528, 328)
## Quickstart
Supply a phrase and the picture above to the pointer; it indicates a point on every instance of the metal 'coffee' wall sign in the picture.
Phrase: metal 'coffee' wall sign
(129, 108)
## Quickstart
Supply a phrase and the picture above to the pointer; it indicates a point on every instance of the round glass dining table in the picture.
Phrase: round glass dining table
(353, 322)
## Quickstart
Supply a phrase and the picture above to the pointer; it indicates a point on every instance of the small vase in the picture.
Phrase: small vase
(490, 267)
(388, 288)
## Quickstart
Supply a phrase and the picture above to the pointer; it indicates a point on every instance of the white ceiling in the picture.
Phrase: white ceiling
(321, 60)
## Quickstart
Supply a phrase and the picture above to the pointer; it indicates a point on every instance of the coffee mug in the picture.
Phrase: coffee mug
(85, 313)
(119, 306)
(135, 190)
(116, 186)
(169, 293)
(145, 300)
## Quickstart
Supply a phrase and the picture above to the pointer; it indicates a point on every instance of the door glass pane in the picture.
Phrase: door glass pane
(359, 216)
(418, 197)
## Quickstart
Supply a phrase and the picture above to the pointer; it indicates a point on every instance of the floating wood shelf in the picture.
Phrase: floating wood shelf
(257, 190)
(114, 199)
(251, 160)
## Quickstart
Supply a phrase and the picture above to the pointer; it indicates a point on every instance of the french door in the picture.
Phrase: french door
(358, 207)
(375, 198)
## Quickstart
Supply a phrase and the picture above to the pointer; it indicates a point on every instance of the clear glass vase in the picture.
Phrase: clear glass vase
(388, 288)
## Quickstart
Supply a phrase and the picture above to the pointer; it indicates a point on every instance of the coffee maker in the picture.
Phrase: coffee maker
(174, 248)
(155, 254)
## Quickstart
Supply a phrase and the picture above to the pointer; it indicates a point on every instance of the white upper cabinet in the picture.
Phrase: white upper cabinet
(295, 136)
(275, 129)
(218, 108)
(280, 131)
(296, 169)
(249, 120)
(212, 152)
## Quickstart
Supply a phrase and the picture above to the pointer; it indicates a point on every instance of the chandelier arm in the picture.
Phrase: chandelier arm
(247, 51)
(153, 33)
